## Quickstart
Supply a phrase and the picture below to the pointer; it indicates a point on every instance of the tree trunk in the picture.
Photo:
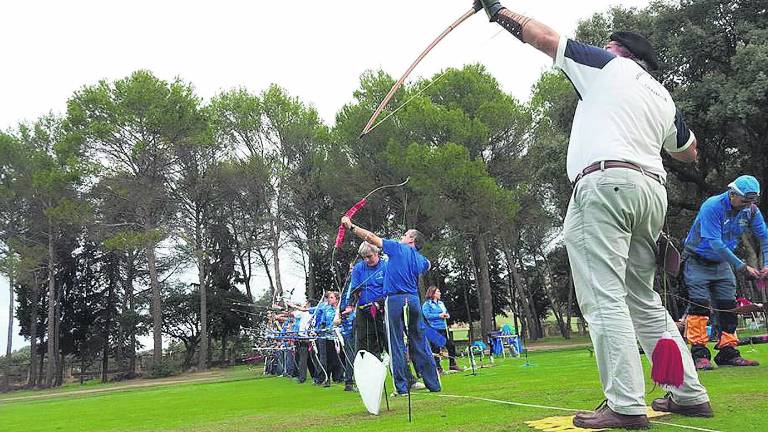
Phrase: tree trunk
(8, 346)
(246, 271)
(113, 264)
(52, 356)
(311, 275)
(202, 358)
(189, 353)
(470, 333)
(546, 276)
(525, 310)
(480, 255)
(265, 264)
(60, 371)
(129, 276)
(277, 295)
(532, 320)
(511, 275)
(34, 358)
(57, 378)
(157, 305)
(535, 322)
(224, 348)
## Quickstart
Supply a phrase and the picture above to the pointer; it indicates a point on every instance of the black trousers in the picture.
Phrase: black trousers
(369, 332)
(448, 345)
(329, 361)
(302, 354)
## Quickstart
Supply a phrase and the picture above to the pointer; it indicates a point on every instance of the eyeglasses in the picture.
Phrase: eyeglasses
(749, 197)
(369, 256)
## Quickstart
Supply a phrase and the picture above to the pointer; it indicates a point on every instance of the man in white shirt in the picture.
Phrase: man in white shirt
(623, 119)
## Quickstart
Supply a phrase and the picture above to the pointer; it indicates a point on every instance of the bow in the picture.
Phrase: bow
(369, 126)
(342, 231)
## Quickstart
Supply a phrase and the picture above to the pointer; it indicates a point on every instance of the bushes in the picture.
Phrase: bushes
(165, 368)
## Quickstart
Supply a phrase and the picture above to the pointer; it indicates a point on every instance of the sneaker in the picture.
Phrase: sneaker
(455, 368)
(737, 361)
(703, 363)
(418, 385)
(348, 387)
(605, 418)
(666, 404)
(397, 395)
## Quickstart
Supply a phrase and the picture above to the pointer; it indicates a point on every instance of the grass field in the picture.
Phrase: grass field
(239, 399)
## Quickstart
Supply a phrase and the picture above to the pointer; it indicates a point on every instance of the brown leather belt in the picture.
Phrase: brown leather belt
(604, 165)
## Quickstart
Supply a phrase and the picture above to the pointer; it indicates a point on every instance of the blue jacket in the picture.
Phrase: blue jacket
(432, 310)
(371, 281)
(718, 226)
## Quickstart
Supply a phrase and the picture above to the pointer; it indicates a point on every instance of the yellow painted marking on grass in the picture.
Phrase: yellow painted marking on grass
(565, 423)
(561, 426)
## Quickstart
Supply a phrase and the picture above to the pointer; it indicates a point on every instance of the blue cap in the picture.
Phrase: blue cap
(746, 186)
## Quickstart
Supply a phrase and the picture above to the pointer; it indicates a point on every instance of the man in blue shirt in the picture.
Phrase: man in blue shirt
(709, 265)
(368, 281)
(401, 283)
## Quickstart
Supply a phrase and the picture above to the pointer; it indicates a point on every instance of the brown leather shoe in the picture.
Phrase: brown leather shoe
(605, 417)
(666, 404)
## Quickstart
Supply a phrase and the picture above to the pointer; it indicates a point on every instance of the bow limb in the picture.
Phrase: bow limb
(421, 56)
(351, 212)
(342, 231)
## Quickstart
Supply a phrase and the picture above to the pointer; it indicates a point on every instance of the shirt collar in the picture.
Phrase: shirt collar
(727, 201)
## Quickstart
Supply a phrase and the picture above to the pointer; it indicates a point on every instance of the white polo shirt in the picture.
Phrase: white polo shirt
(304, 318)
(623, 112)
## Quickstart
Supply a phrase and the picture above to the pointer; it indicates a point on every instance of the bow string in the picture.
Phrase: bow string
(370, 125)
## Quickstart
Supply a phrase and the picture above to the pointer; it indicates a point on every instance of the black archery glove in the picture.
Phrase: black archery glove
(492, 8)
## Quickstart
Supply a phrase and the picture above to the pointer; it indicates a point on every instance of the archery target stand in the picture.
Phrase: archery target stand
(565, 423)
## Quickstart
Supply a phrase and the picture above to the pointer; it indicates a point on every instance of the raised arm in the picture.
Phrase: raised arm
(528, 30)
(362, 232)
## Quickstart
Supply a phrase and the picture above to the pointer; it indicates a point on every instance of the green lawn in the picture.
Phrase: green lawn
(241, 400)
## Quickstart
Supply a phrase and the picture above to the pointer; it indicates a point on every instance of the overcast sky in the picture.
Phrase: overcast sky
(315, 49)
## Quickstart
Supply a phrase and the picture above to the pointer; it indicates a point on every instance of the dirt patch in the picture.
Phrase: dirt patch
(197, 377)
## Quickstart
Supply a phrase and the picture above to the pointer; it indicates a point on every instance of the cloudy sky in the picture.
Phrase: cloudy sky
(315, 49)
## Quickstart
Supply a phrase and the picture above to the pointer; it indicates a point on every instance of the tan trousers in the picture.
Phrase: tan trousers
(613, 221)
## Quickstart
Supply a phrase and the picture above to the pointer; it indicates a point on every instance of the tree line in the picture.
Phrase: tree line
(103, 206)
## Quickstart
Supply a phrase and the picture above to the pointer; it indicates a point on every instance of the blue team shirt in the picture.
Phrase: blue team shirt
(403, 269)
(372, 279)
(324, 314)
(718, 226)
(431, 310)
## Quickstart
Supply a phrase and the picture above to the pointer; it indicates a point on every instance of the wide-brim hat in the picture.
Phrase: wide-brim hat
(638, 45)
